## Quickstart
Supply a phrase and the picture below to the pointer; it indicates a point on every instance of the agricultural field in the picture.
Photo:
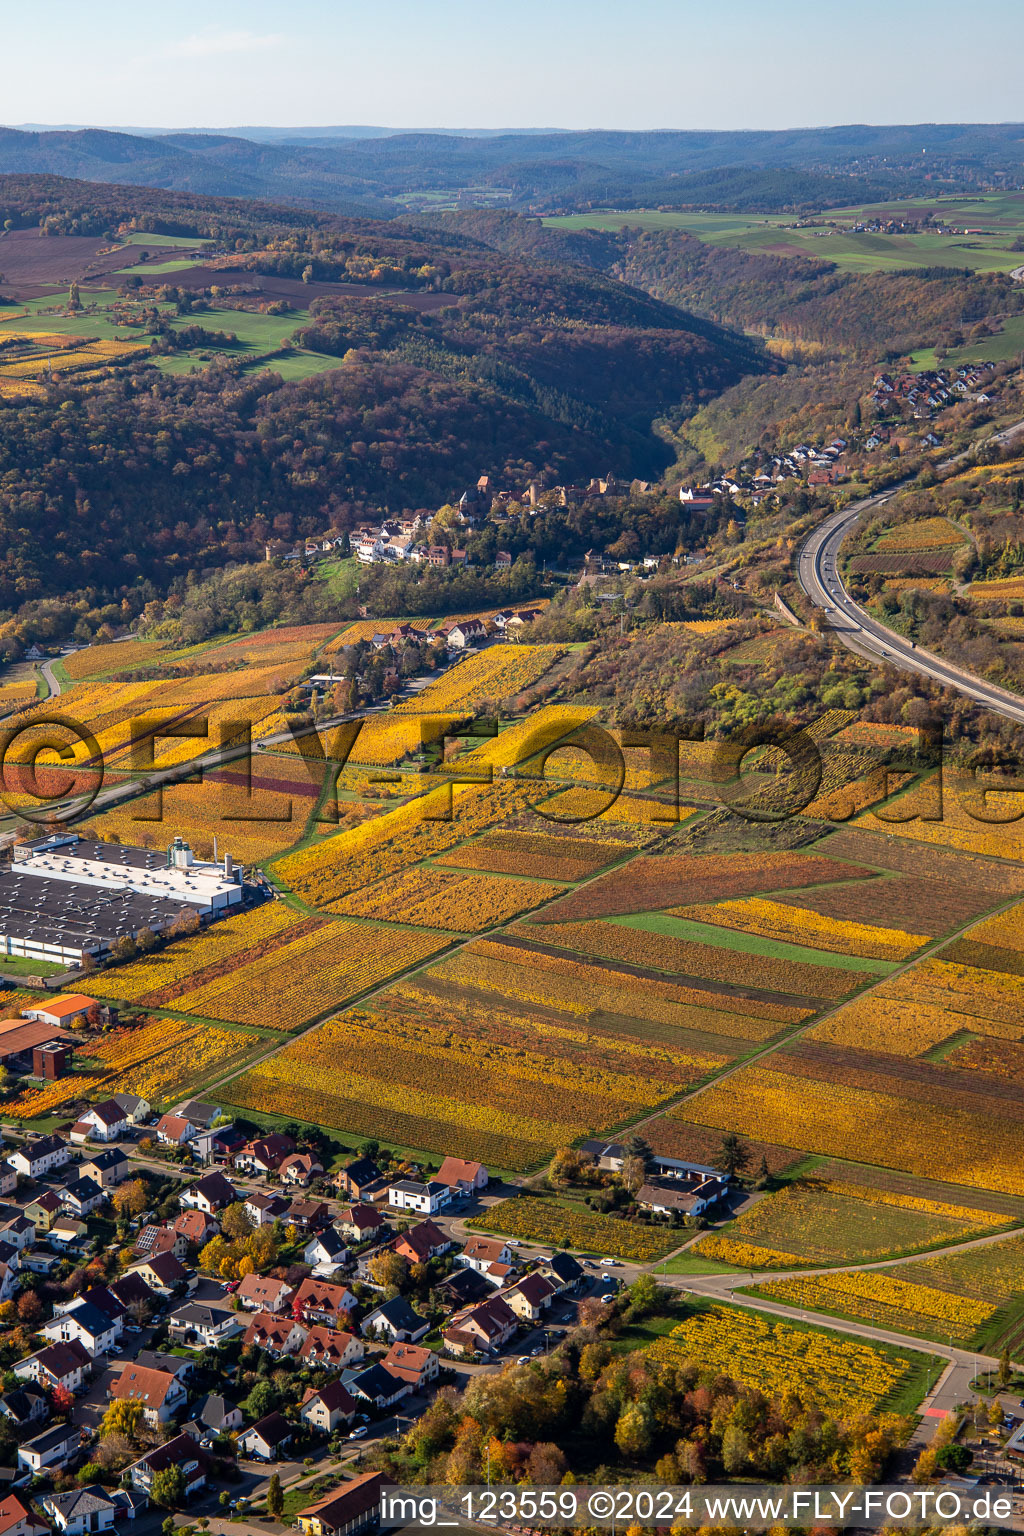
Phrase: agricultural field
(545, 1221)
(834, 1372)
(814, 1221)
(30, 359)
(973, 1297)
(498, 673)
(427, 1067)
(434, 898)
(835, 239)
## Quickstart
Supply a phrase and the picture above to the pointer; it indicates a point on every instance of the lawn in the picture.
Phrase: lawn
(1006, 346)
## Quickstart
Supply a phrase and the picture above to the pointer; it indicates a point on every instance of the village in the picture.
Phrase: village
(190, 1308)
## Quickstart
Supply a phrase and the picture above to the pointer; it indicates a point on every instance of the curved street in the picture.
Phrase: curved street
(818, 573)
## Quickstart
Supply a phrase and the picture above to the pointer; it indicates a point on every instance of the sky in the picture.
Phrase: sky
(535, 63)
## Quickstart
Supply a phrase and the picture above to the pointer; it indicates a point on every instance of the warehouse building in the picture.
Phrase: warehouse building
(64, 897)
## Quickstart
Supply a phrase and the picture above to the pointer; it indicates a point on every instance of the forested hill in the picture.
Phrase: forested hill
(870, 315)
(452, 360)
(753, 170)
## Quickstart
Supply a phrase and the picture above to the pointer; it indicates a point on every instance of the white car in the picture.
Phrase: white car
(523, 1360)
(358, 1432)
(608, 1296)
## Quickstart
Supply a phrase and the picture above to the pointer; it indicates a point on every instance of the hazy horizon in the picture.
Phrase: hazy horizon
(578, 66)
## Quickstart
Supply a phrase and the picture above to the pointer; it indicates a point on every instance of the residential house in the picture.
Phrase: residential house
(17, 1233)
(99, 1296)
(485, 1254)
(57, 1365)
(136, 1109)
(308, 1215)
(263, 1210)
(459, 635)
(40, 1156)
(530, 1298)
(411, 1195)
(133, 1292)
(210, 1194)
(414, 1363)
(82, 1197)
(8, 1281)
(93, 1329)
(352, 1508)
(318, 1301)
(153, 1240)
(161, 1393)
(199, 1326)
(163, 1273)
(196, 1227)
(218, 1145)
(262, 1293)
(105, 1122)
(23, 1407)
(465, 1287)
(201, 1114)
(325, 1251)
(16, 1519)
(360, 1221)
(359, 1178)
(175, 1130)
(107, 1168)
(665, 1197)
(67, 1233)
(460, 1175)
(181, 1451)
(331, 1349)
(214, 1415)
(563, 1271)
(265, 1155)
(482, 1328)
(79, 1511)
(277, 1335)
(51, 1448)
(378, 1386)
(267, 1438)
(300, 1168)
(395, 1320)
(326, 1408)
(421, 1243)
(8, 1178)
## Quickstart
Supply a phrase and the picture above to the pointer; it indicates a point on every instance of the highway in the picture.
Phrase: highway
(818, 572)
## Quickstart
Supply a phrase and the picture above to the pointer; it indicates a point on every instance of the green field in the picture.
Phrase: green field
(1006, 346)
(186, 242)
(1001, 219)
(257, 334)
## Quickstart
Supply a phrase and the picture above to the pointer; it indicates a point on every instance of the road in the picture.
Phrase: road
(52, 681)
(818, 571)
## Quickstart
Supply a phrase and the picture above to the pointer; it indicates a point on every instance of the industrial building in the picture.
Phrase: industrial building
(63, 897)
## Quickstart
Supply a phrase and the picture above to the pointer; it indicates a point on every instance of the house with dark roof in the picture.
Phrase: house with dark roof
(106, 1168)
(326, 1250)
(395, 1320)
(413, 1195)
(183, 1452)
(82, 1197)
(267, 1438)
(326, 1408)
(213, 1415)
(377, 1386)
(58, 1365)
(163, 1273)
(482, 1328)
(564, 1272)
(217, 1145)
(79, 1511)
(264, 1208)
(201, 1327)
(210, 1194)
(39, 1156)
(24, 1407)
(86, 1322)
(466, 1286)
(105, 1122)
(358, 1178)
(53, 1447)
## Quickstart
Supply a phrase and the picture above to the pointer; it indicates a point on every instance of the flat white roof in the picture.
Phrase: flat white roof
(198, 884)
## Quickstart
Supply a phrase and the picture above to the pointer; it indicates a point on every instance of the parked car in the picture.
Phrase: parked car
(358, 1432)
(608, 1296)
